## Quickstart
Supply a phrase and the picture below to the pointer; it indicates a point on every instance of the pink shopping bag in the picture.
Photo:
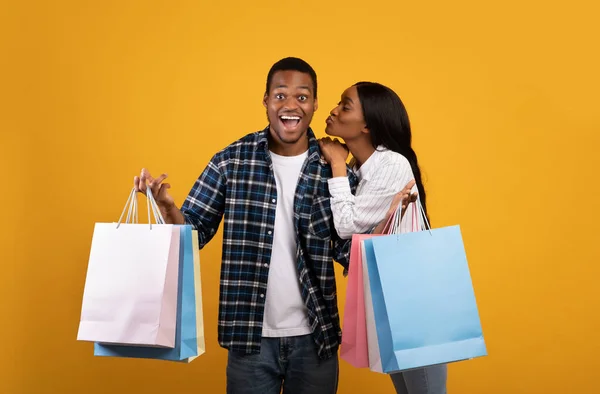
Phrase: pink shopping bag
(354, 347)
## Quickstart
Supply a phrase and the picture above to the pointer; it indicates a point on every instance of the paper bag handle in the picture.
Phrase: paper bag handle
(132, 213)
(397, 219)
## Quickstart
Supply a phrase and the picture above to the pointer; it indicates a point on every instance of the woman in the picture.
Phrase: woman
(374, 124)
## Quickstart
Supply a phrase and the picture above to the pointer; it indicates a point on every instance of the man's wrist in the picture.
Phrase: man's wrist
(165, 209)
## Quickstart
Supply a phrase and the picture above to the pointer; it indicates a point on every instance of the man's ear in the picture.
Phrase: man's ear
(265, 99)
(316, 104)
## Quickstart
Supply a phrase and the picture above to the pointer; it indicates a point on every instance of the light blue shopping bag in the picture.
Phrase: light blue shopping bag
(185, 333)
(423, 299)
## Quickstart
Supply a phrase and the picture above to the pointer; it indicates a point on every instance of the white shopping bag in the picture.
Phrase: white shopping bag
(130, 294)
(372, 343)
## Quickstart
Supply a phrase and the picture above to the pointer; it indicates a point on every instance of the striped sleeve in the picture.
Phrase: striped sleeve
(358, 214)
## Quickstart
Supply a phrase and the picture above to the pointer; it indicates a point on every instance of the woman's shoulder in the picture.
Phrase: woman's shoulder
(389, 157)
(391, 168)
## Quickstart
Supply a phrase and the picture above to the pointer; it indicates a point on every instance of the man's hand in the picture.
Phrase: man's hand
(159, 189)
(165, 202)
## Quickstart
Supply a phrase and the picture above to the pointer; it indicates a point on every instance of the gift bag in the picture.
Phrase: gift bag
(423, 299)
(130, 293)
(359, 337)
(354, 330)
(198, 287)
(375, 363)
(186, 345)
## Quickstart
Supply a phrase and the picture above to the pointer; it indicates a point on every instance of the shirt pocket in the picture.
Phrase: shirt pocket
(320, 218)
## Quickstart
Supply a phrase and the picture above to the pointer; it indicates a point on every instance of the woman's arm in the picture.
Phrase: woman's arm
(356, 214)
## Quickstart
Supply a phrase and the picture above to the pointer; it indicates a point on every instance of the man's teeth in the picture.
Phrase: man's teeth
(290, 117)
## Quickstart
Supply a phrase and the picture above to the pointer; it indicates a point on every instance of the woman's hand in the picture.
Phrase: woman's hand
(336, 154)
(404, 197)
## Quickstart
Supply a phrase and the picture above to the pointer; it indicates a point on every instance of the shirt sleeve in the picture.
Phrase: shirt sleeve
(204, 206)
(356, 214)
(341, 251)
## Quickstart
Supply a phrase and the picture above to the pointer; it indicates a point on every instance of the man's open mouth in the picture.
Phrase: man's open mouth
(289, 121)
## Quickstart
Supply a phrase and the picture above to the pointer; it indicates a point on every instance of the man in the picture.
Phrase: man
(278, 313)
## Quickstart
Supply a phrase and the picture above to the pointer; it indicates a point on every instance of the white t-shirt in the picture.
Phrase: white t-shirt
(285, 312)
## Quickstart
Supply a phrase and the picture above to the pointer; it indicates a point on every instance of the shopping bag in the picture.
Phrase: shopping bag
(185, 337)
(130, 293)
(423, 299)
(198, 287)
(375, 363)
(395, 225)
(359, 337)
(354, 329)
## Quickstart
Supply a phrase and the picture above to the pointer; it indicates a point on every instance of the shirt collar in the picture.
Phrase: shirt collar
(366, 170)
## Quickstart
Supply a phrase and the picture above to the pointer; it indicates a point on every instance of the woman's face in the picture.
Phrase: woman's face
(346, 120)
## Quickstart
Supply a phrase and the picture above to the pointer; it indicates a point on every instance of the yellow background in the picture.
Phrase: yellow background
(503, 99)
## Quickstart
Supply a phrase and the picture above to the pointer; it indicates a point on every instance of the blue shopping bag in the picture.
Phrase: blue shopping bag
(423, 299)
(185, 333)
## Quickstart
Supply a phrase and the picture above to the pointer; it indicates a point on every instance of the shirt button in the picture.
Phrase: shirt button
(270, 232)
(262, 296)
(266, 265)
(273, 200)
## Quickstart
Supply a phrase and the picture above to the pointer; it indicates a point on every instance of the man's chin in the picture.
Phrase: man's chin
(290, 140)
(290, 137)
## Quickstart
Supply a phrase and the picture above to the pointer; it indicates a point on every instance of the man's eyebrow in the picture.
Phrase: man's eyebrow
(305, 87)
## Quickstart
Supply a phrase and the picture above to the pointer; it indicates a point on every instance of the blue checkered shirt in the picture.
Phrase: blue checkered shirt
(239, 184)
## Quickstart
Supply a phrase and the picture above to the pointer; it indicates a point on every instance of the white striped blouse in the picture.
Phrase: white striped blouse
(384, 174)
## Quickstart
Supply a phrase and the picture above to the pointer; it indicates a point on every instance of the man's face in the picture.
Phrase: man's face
(290, 105)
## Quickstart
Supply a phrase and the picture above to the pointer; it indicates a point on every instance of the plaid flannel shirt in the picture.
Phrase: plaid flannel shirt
(239, 184)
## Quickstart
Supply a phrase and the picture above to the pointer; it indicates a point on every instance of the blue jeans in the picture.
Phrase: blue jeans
(428, 380)
(290, 363)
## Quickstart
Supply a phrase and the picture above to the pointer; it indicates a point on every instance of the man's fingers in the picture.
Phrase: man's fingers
(161, 193)
(155, 183)
(160, 179)
(146, 177)
(140, 185)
